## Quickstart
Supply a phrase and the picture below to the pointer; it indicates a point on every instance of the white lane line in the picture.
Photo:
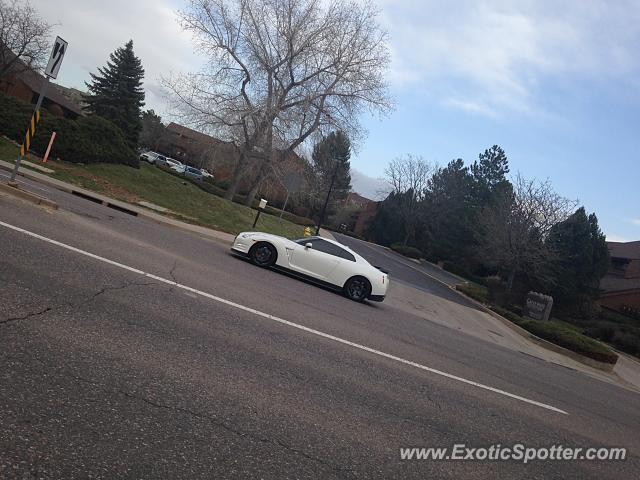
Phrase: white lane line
(283, 321)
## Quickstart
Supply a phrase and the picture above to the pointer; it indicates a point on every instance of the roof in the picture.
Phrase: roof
(35, 81)
(354, 197)
(613, 283)
(630, 250)
(192, 134)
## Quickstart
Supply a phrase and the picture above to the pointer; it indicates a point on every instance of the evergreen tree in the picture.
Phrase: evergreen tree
(116, 93)
(448, 212)
(580, 258)
(330, 158)
(152, 130)
(490, 175)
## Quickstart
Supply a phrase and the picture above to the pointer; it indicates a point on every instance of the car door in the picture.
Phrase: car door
(318, 261)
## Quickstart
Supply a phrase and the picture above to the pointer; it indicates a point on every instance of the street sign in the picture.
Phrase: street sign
(57, 54)
(292, 182)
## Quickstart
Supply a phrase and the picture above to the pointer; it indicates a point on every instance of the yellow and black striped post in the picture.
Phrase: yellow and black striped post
(31, 131)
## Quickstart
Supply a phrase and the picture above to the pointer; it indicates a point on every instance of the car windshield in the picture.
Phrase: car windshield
(303, 240)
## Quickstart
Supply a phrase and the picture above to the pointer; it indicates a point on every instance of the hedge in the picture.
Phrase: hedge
(89, 139)
(562, 334)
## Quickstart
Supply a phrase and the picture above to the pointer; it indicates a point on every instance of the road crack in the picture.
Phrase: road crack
(28, 315)
(45, 310)
(341, 471)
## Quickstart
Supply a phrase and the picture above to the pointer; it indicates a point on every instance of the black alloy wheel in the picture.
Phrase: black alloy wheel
(357, 289)
(263, 254)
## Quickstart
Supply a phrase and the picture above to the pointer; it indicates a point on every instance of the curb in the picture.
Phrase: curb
(602, 366)
(28, 196)
(124, 207)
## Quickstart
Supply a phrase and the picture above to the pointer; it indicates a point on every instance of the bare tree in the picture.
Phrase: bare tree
(24, 38)
(408, 178)
(280, 70)
(515, 228)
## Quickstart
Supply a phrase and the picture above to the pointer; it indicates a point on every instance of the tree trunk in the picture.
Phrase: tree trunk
(511, 279)
(238, 173)
(267, 148)
(251, 196)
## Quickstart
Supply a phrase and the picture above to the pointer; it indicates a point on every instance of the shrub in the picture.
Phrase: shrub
(461, 272)
(627, 342)
(475, 291)
(566, 336)
(407, 251)
(508, 314)
(90, 139)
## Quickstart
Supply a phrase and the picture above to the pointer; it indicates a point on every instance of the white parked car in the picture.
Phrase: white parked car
(320, 260)
(206, 174)
(149, 156)
(175, 164)
(178, 167)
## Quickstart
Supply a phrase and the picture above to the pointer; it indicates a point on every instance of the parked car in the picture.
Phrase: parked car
(193, 173)
(160, 161)
(180, 168)
(149, 156)
(206, 174)
(175, 164)
(319, 260)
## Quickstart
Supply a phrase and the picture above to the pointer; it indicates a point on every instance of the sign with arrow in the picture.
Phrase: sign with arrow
(57, 54)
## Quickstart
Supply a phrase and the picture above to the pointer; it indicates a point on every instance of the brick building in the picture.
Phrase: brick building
(621, 285)
(27, 84)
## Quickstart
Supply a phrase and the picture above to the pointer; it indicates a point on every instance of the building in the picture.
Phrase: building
(621, 284)
(26, 84)
(196, 148)
(366, 209)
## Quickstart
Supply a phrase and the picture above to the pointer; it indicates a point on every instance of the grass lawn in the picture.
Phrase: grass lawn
(187, 201)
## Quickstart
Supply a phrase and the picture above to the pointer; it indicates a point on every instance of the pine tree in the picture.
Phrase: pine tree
(580, 258)
(116, 93)
(331, 157)
(490, 175)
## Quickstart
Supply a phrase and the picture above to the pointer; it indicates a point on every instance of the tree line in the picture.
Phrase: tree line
(517, 233)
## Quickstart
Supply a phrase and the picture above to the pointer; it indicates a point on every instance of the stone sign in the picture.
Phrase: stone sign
(538, 306)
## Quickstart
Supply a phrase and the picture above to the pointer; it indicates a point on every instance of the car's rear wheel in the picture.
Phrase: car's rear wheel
(357, 289)
(263, 254)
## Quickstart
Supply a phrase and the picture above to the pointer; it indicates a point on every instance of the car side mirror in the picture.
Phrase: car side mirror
(308, 245)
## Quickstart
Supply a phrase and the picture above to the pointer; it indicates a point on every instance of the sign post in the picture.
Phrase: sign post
(46, 155)
(292, 181)
(51, 71)
(261, 206)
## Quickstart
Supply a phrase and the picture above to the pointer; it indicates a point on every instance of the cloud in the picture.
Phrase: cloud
(95, 28)
(616, 238)
(367, 186)
(636, 221)
(491, 56)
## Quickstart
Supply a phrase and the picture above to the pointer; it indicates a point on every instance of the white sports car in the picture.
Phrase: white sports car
(320, 260)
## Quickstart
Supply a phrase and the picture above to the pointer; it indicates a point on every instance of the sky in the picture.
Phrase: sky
(556, 84)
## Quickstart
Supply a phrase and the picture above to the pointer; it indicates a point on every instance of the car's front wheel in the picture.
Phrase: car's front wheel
(263, 254)
(357, 289)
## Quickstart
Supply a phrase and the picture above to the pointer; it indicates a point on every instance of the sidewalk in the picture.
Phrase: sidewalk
(129, 208)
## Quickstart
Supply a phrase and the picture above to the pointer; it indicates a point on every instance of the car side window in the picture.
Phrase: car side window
(346, 255)
(331, 249)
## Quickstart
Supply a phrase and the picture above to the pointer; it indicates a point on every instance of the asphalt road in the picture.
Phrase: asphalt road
(163, 356)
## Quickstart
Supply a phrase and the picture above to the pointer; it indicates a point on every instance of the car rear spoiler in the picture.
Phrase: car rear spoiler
(383, 270)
